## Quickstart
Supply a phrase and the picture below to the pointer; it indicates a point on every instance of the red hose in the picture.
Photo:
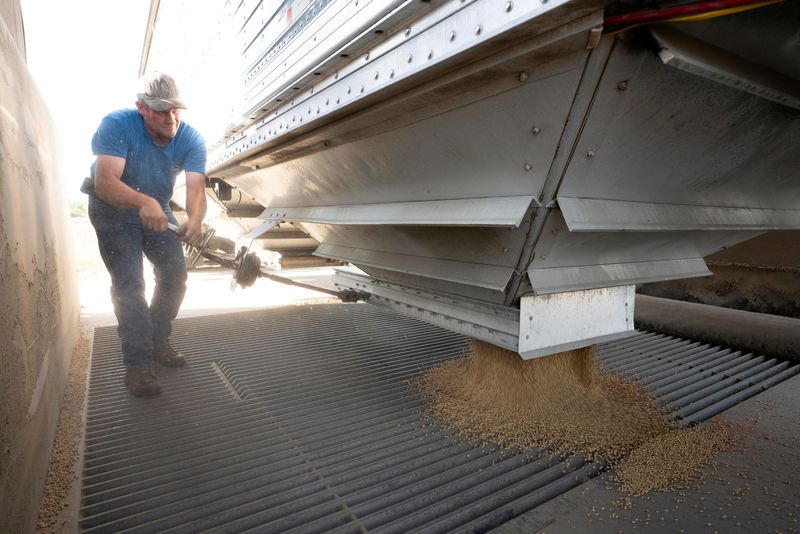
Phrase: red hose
(677, 11)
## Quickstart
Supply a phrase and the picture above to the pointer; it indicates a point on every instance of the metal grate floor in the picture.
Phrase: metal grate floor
(301, 419)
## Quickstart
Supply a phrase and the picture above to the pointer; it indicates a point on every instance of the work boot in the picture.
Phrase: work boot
(142, 382)
(165, 355)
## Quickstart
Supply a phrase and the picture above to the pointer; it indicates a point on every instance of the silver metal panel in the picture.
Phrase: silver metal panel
(565, 321)
(542, 325)
(499, 211)
(424, 46)
(434, 143)
(342, 38)
(489, 276)
(558, 247)
(595, 64)
(256, 232)
(456, 154)
(591, 214)
(556, 279)
(481, 257)
(767, 36)
(485, 295)
(281, 72)
(495, 324)
(478, 245)
(487, 100)
(566, 261)
(696, 57)
(657, 134)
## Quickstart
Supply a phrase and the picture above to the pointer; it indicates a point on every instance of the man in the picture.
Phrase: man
(139, 153)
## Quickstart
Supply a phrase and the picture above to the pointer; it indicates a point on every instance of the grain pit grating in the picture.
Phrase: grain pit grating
(301, 419)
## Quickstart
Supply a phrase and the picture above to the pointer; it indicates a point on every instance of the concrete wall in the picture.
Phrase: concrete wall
(11, 15)
(39, 312)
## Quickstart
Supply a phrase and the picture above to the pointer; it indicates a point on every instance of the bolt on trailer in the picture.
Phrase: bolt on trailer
(509, 170)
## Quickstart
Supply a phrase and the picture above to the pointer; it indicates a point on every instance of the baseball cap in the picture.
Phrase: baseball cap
(161, 93)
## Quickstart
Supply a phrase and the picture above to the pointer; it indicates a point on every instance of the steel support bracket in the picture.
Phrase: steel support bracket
(492, 323)
(574, 319)
(544, 324)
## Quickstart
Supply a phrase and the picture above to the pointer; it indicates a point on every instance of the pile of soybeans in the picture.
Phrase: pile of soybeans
(564, 403)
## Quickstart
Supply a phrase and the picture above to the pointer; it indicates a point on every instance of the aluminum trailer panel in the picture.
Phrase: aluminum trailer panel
(503, 151)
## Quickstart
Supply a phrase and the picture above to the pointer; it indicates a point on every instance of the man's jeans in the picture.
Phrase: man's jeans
(122, 240)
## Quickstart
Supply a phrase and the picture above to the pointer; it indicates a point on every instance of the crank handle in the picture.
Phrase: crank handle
(175, 228)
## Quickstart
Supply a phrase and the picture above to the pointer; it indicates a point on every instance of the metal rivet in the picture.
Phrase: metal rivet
(478, 29)
(523, 76)
(590, 154)
(407, 32)
(509, 6)
(366, 56)
(528, 167)
(391, 74)
(430, 54)
(622, 86)
(410, 58)
(505, 249)
(536, 131)
(452, 36)
(376, 75)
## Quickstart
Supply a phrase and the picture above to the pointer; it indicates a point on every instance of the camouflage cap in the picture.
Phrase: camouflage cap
(161, 93)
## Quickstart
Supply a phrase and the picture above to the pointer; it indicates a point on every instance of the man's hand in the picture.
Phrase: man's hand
(192, 233)
(195, 208)
(109, 186)
(152, 215)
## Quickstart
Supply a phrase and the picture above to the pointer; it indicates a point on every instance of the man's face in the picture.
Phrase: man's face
(161, 125)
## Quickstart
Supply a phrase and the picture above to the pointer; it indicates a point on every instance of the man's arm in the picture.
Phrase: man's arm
(109, 186)
(195, 208)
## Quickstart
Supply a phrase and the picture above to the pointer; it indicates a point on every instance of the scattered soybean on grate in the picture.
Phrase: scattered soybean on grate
(568, 404)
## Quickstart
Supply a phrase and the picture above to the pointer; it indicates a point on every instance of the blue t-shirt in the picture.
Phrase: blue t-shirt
(149, 168)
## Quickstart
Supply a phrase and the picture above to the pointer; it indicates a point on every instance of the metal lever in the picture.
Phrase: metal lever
(202, 248)
(175, 228)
